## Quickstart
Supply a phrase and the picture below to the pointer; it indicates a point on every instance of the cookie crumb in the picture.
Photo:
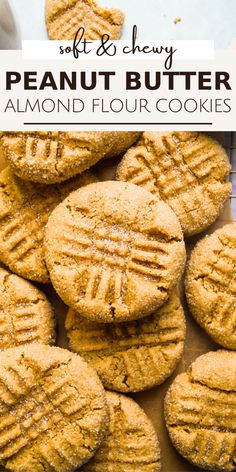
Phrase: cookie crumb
(177, 19)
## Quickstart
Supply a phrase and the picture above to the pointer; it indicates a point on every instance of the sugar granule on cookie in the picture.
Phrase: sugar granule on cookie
(200, 411)
(26, 316)
(188, 170)
(211, 285)
(131, 443)
(24, 211)
(131, 356)
(49, 157)
(53, 410)
(114, 251)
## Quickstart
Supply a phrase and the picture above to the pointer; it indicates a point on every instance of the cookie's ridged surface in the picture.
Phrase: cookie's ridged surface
(132, 356)
(200, 411)
(52, 410)
(51, 157)
(65, 17)
(131, 443)
(211, 285)
(24, 211)
(187, 170)
(26, 316)
(120, 252)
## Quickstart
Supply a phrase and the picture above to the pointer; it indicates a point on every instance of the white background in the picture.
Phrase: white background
(201, 19)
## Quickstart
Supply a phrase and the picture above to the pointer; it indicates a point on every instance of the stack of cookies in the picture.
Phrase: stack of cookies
(114, 252)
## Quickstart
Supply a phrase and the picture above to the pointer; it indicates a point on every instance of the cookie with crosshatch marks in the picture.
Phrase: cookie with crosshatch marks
(53, 413)
(188, 170)
(50, 157)
(114, 251)
(24, 211)
(131, 443)
(26, 315)
(200, 411)
(65, 17)
(135, 355)
(211, 285)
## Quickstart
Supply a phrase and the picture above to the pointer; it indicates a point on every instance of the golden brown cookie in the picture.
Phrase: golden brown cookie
(200, 411)
(26, 315)
(211, 285)
(114, 251)
(187, 170)
(24, 211)
(52, 410)
(50, 157)
(133, 356)
(65, 17)
(131, 444)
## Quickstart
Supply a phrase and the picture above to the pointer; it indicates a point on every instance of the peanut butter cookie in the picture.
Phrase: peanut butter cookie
(26, 316)
(131, 444)
(187, 170)
(133, 356)
(53, 412)
(24, 211)
(51, 157)
(114, 251)
(65, 17)
(211, 285)
(200, 412)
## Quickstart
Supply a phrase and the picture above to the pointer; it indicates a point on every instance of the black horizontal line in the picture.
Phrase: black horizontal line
(119, 124)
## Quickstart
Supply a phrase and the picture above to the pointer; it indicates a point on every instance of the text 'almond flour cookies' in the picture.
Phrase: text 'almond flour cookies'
(131, 444)
(24, 211)
(65, 17)
(211, 285)
(187, 170)
(53, 413)
(200, 412)
(134, 356)
(114, 251)
(26, 315)
(49, 157)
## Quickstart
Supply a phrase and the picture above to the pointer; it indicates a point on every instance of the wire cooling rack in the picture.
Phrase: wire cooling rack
(230, 144)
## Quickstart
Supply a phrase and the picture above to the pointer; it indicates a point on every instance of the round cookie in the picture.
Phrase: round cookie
(211, 285)
(114, 252)
(188, 170)
(131, 443)
(25, 208)
(51, 157)
(53, 413)
(134, 356)
(200, 411)
(65, 17)
(26, 315)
